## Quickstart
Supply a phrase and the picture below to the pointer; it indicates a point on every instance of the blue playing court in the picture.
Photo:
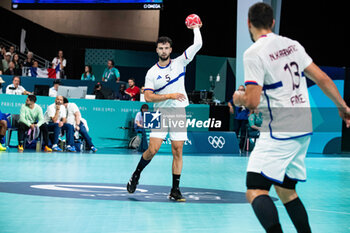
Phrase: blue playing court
(84, 193)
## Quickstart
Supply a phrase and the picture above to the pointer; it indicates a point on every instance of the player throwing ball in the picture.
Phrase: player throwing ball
(165, 87)
(273, 68)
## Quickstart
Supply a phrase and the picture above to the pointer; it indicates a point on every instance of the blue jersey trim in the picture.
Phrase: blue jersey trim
(277, 181)
(272, 179)
(171, 82)
(185, 55)
(294, 137)
(148, 89)
(251, 83)
(271, 119)
(163, 67)
(273, 86)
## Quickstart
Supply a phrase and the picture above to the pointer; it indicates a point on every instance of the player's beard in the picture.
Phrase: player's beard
(162, 58)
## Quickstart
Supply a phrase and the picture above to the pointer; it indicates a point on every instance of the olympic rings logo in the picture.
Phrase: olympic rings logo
(216, 142)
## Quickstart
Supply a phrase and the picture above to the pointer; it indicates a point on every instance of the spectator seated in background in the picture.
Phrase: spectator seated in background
(138, 123)
(79, 124)
(4, 123)
(32, 119)
(53, 90)
(59, 64)
(35, 64)
(18, 62)
(121, 94)
(111, 74)
(133, 91)
(101, 92)
(88, 75)
(6, 61)
(12, 69)
(1, 83)
(138, 126)
(56, 118)
(15, 88)
(255, 121)
(28, 62)
(12, 51)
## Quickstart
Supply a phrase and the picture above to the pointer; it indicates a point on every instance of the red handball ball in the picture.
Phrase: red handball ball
(192, 20)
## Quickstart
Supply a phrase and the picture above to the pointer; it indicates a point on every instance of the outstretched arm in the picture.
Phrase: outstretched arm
(197, 43)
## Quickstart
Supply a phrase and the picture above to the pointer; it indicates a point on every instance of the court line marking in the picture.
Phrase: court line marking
(326, 211)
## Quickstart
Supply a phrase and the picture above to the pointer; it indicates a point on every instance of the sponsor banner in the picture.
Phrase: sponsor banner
(207, 142)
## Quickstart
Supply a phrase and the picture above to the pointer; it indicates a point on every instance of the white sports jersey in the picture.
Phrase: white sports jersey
(276, 63)
(171, 78)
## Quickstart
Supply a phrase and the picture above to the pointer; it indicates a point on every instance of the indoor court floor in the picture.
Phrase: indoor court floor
(85, 193)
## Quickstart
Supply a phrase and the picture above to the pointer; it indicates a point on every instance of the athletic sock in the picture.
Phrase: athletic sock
(298, 215)
(265, 210)
(1, 137)
(141, 165)
(176, 181)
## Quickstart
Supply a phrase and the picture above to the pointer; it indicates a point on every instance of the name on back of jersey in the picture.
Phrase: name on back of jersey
(283, 52)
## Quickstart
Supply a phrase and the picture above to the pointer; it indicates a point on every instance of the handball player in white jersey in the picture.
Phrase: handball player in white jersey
(273, 68)
(165, 87)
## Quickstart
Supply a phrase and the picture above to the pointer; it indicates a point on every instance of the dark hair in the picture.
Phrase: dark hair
(111, 61)
(261, 15)
(131, 79)
(13, 57)
(164, 40)
(90, 70)
(65, 100)
(17, 77)
(32, 98)
(97, 85)
(144, 106)
(59, 52)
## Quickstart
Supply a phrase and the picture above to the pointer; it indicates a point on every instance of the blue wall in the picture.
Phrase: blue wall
(327, 124)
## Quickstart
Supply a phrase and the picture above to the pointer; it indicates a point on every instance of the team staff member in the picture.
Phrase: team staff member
(111, 73)
(56, 118)
(32, 117)
(74, 118)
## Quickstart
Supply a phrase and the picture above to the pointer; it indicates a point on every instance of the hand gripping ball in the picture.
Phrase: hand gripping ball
(192, 20)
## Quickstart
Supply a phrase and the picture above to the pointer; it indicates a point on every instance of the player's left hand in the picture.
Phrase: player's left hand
(345, 115)
(177, 96)
(195, 26)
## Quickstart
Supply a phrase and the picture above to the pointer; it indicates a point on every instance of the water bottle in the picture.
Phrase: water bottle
(38, 146)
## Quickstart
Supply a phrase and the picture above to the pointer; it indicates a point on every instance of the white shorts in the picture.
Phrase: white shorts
(276, 158)
(171, 122)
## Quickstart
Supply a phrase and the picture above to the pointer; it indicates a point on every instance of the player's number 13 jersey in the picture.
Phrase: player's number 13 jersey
(276, 63)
